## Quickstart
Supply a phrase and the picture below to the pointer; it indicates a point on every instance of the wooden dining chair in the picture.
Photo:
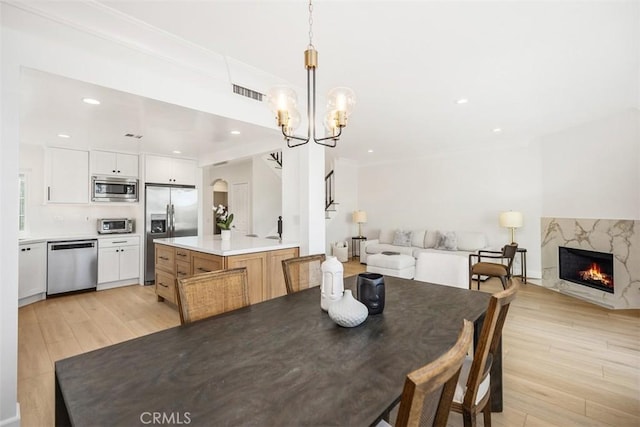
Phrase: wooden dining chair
(473, 392)
(428, 391)
(207, 294)
(302, 272)
(493, 269)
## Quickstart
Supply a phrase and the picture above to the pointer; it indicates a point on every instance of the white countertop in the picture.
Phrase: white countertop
(238, 244)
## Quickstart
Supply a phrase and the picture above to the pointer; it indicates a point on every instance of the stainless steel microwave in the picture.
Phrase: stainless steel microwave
(115, 225)
(113, 189)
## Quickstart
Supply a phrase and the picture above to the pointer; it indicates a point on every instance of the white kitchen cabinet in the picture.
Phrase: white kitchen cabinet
(118, 258)
(167, 170)
(68, 176)
(32, 269)
(114, 164)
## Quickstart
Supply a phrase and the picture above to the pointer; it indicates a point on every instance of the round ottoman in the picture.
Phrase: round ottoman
(392, 265)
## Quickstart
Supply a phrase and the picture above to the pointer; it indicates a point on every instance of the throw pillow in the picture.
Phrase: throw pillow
(417, 238)
(449, 241)
(402, 238)
(386, 236)
(431, 239)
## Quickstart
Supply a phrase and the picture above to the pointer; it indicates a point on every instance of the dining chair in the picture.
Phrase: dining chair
(473, 391)
(302, 272)
(493, 269)
(428, 391)
(208, 294)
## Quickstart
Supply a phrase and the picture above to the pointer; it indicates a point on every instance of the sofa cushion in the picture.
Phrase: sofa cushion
(471, 241)
(463, 254)
(402, 238)
(431, 239)
(417, 238)
(448, 241)
(386, 236)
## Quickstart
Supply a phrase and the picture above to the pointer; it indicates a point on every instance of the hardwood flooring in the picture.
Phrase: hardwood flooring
(566, 362)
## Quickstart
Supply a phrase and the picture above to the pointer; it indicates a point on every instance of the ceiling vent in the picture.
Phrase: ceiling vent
(243, 91)
(220, 163)
(131, 135)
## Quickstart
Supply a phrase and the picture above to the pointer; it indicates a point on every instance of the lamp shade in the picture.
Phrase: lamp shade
(511, 219)
(360, 217)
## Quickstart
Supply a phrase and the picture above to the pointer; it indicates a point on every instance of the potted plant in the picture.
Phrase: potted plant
(224, 220)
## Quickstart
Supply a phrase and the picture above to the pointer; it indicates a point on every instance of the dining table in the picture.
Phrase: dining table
(281, 362)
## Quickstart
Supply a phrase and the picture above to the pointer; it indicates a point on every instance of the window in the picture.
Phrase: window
(22, 197)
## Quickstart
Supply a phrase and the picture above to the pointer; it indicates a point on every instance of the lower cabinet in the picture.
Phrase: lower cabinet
(118, 259)
(32, 272)
(264, 270)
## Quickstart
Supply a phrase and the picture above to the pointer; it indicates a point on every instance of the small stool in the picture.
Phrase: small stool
(341, 252)
(392, 265)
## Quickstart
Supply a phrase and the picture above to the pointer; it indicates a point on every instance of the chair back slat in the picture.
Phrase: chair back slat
(428, 391)
(208, 294)
(489, 340)
(509, 252)
(302, 272)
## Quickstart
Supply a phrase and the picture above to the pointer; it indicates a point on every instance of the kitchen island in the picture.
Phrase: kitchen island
(180, 257)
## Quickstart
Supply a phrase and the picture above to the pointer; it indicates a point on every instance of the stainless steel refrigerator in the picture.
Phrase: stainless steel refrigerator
(170, 211)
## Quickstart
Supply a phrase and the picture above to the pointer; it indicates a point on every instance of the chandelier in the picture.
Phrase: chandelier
(283, 102)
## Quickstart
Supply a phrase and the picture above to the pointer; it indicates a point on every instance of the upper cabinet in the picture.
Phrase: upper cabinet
(168, 170)
(114, 164)
(67, 176)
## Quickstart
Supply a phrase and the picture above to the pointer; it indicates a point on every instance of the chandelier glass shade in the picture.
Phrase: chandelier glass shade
(283, 101)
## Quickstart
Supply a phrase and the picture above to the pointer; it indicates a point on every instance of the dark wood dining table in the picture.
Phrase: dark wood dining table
(281, 362)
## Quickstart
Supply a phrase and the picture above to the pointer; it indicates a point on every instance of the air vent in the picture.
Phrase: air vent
(243, 91)
(220, 163)
(131, 135)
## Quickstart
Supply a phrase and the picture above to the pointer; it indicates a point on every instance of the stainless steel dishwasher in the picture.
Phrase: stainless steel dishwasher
(72, 266)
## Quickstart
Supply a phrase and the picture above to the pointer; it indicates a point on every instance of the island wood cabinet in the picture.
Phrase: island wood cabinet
(264, 270)
(168, 170)
(114, 164)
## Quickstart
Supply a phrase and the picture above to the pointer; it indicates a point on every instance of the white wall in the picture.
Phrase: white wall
(463, 191)
(593, 170)
(266, 197)
(234, 173)
(340, 227)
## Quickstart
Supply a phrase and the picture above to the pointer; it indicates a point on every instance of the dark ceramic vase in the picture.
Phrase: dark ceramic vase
(371, 291)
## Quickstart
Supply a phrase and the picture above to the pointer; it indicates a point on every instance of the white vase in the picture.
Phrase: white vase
(225, 234)
(332, 282)
(348, 311)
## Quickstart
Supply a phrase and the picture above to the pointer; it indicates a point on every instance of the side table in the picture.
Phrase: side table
(523, 265)
(355, 245)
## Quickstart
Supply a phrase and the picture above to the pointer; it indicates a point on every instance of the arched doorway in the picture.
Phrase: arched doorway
(220, 197)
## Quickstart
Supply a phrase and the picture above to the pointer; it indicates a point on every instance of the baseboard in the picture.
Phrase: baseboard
(13, 421)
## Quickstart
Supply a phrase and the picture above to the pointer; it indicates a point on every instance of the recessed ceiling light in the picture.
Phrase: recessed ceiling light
(369, 151)
(63, 135)
(462, 101)
(91, 101)
(497, 130)
(177, 152)
(235, 132)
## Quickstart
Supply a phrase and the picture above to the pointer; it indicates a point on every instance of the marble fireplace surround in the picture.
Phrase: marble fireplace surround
(618, 237)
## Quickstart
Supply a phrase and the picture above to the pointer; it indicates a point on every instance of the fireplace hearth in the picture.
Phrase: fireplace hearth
(587, 268)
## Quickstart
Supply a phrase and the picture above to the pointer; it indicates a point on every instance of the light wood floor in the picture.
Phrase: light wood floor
(566, 362)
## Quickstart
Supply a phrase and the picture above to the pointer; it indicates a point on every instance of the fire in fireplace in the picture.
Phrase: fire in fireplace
(588, 268)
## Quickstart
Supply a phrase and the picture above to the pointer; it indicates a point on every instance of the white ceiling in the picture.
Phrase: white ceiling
(529, 68)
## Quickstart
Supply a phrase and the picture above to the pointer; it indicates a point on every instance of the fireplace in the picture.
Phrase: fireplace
(587, 268)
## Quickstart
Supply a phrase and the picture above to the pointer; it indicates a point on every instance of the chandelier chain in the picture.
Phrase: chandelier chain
(310, 24)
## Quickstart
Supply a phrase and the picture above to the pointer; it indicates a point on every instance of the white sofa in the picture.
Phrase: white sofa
(442, 256)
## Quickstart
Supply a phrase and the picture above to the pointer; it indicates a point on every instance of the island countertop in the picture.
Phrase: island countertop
(237, 245)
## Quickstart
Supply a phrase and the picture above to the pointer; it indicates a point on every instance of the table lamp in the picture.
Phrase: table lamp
(361, 218)
(511, 220)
